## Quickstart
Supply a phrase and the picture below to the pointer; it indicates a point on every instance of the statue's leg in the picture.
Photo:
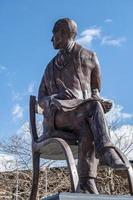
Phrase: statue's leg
(98, 125)
(87, 162)
(102, 141)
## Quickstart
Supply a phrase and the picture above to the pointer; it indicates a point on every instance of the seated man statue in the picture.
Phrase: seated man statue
(69, 94)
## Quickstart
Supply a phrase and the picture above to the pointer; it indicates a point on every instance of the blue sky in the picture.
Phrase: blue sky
(25, 49)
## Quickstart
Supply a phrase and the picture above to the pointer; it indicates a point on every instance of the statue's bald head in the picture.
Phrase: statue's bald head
(66, 25)
(64, 32)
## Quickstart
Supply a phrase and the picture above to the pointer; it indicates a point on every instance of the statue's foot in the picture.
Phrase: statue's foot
(88, 186)
(112, 159)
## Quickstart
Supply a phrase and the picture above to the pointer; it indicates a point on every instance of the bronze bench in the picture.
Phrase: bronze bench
(59, 149)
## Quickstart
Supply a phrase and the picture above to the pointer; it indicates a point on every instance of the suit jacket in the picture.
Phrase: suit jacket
(80, 73)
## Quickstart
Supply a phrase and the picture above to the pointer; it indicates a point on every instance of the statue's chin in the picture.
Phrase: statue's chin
(55, 47)
(58, 46)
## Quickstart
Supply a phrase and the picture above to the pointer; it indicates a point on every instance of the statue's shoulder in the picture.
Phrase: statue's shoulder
(50, 65)
(84, 52)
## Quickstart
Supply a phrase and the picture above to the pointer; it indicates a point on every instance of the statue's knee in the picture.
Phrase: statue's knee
(96, 105)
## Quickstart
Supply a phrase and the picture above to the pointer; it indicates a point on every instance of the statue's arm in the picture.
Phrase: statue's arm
(95, 77)
(43, 97)
(96, 84)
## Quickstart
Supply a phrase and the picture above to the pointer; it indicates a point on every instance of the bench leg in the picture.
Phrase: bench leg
(70, 162)
(35, 178)
(129, 169)
(130, 179)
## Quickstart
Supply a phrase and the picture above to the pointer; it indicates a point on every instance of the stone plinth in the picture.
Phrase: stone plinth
(79, 196)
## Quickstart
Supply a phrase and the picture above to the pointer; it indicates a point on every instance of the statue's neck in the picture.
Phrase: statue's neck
(69, 47)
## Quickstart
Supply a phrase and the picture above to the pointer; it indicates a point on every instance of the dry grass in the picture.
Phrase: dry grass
(57, 180)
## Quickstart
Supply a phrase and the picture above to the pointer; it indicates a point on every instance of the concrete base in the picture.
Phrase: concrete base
(80, 196)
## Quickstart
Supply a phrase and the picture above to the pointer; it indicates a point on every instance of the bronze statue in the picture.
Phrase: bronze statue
(69, 93)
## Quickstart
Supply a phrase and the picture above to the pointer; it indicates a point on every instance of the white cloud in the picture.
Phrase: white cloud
(3, 68)
(117, 114)
(31, 87)
(87, 36)
(122, 137)
(116, 42)
(7, 162)
(108, 20)
(17, 112)
(121, 133)
(18, 96)
(24, 131)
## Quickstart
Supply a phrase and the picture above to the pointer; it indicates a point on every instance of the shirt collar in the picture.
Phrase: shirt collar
(68, 48)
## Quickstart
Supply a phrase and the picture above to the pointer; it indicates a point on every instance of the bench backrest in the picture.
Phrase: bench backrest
(34, 109)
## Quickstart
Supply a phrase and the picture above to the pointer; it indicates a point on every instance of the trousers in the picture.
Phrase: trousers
(88, 123)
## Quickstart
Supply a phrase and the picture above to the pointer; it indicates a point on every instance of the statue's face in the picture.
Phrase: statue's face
(59, 39)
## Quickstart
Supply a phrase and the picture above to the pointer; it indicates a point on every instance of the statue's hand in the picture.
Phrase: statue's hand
(107, 104)
(66, 94)
(96, 94)
(97, 97)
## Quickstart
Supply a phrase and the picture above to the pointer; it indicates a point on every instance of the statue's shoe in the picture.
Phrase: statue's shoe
(89, 186)
(112, 159)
